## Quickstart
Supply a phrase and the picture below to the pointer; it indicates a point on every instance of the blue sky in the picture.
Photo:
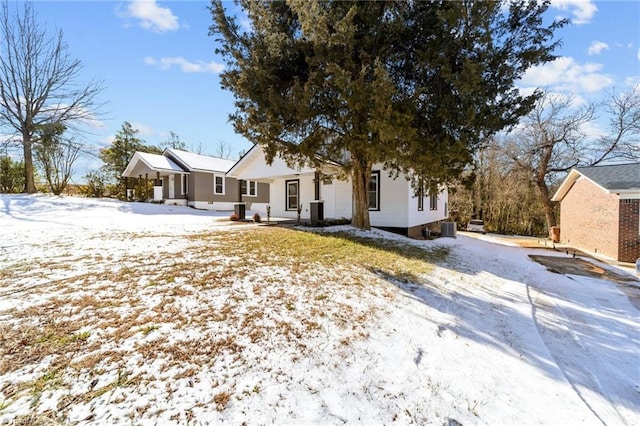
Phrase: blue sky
(161, 72)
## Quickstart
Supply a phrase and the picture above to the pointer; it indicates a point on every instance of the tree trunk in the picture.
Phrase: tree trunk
(541, 172)
(29, 181)
(360, 175)
(547, 204)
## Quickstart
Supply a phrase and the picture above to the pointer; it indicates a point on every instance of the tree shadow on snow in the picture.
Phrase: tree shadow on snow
(568, 328)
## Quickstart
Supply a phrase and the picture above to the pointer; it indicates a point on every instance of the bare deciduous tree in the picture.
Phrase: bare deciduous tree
(622, 141)
(501, 194)
(56, 155)
(551, 140)
(39, 82)
(223, 149)
(174, 142)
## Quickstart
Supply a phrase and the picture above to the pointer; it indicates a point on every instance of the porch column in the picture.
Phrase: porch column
(316, 206)
(316, 186)
(146, 186)
(139, 185)
(157, 179)
(127, 185)
(239, 208)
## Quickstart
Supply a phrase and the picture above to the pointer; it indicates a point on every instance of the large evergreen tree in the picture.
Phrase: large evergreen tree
(11, 175)
(116, 157)
(412, 85)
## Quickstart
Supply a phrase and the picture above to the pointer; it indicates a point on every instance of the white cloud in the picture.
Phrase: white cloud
(184, 65)
(632, 81)
(582, 11)
(574, 101)
(566, 75)
(151, 16)
(143, 129)
(592, 130)
(106, 141)
(597, 47)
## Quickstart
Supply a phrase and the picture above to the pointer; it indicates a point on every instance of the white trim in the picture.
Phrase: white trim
(163, 165)
(287, 206)
(377, 206)
(420, 197)
(184, 184)
(220, 206)
(433, 202)
(215, 185)
(627, 193)
(248, 187)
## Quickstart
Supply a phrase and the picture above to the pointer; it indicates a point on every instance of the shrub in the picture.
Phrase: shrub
(233, 217)
(96, 185)
(257, 218)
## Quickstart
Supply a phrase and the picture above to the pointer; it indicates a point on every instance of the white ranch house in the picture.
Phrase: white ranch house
(394, 205)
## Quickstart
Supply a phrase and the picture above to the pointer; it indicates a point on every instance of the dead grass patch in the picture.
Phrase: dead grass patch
(221, 400)
(229, 310)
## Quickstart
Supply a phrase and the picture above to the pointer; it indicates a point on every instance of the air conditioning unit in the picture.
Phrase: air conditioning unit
(448, 229)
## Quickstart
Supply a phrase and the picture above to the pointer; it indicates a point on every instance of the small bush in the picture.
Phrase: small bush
(96, 186)
(233, 217)
(257, 218)
(332, 222)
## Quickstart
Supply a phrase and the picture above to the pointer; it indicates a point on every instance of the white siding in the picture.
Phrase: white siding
(328, 195)
(393, 202)
(258, 169)
(278, 197)
(307, 194)
(398, 205)
(215, 205)
(342, 199)
(427, 215)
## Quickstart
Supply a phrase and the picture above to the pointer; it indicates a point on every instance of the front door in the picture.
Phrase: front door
(172, 187)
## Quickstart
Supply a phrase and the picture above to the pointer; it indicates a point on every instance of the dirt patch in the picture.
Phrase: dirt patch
(578, 266)
(629, 284)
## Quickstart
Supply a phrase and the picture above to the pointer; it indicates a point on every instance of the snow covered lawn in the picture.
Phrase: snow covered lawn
(116, 313)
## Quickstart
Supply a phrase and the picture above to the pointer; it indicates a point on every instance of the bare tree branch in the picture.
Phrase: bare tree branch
(223, 149)
(39, 81)
(549, 140)
(623, 139)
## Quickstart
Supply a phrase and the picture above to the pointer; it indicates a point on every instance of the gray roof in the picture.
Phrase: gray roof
(614, 177)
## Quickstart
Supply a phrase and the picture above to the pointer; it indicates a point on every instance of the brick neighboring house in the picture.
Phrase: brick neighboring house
(599, 210)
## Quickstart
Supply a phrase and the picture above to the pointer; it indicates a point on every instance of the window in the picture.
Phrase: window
(185, 184)
(249, 187)
(421, 197)
(218, 185)
(433, 202)
(374, 191)
(293, 194)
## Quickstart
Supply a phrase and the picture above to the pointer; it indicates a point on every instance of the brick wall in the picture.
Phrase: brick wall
(629, 242)
(589, 219)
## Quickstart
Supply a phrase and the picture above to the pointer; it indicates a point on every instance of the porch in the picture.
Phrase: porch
(152, 177)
